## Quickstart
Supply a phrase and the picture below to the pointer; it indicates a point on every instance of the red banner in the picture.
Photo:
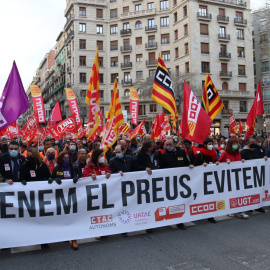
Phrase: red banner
(31, 124)
(38, 103)
(134, 106)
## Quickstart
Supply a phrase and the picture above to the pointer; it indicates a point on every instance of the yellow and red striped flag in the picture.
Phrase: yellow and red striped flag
(123, 130)
(211, 101)
(93, 97)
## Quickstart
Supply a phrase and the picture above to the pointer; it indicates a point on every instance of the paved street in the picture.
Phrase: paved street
(232, 243)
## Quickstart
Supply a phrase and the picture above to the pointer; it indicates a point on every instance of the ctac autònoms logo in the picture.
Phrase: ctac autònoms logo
(124, 216)
(244, 201)
(203, 208)
(101, 222)
(267, 196)
(170, 212)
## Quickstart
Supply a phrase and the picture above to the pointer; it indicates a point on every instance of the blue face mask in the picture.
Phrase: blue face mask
(73, 147)
(13, 153)
(41, 148)
(120, 155)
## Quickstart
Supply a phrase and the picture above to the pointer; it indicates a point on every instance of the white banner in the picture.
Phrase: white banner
(43, 213)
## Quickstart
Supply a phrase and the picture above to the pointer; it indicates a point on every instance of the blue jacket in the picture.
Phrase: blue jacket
(124, 164)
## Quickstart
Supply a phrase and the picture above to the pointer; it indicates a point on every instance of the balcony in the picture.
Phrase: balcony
(241, 72)
(165, 41)
(238, 3)
(125, 32)
(126, 82)
(204, 16)
(114, 48)
(226, 112)
(240, 21)
(151, 62)
(223, 19)
(151, 45)
(139, 13)
(69, 54)
(69, 36)
(126, 48)
(225, 74)
(69, 20)
(224, 37)
(235, 94)
(151, 28)
(266, 83)
(224, 56)
(127, 65)
(62, 70)
(69, 70)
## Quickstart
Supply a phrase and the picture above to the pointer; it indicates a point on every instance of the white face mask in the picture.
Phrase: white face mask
(101, 160)
(222, 145)
(210, 147)
(216, 146)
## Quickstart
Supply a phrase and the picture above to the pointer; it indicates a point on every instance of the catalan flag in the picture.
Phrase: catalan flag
(93, 97)
(211, 101)
(163, 92)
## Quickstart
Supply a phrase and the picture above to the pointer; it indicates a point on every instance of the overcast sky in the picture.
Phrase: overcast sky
(29, 29)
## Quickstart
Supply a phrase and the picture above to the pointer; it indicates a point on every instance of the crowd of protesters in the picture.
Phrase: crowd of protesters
(57, 160)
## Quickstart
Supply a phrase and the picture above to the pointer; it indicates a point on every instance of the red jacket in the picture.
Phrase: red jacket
(89, 170)
(225, 155)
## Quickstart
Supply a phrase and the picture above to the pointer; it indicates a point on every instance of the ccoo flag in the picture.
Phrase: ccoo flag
(38, 102)
(14, 101)
(195, 121)
(211, 100)
(163, 92)
(233, 126)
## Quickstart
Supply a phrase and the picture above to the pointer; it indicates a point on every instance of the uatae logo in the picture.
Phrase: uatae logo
(67, 125)
(124, 216)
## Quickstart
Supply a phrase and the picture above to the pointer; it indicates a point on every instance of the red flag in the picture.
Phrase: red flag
(161, 118)
(195, 121)
(179, 132)
(256, 109)
(31, 124)
(138, 130)
(166, 126)
(155, 128)
(233, 126)
(240, 128)
(56, 114)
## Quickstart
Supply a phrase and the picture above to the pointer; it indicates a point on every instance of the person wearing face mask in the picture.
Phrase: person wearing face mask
(221, 146)
(11, 164)
(84, 142)
(4, 146)
(259, 145)
(50, 159)
(215, 144)
(73, 151)
(121, 162)
(97, 165)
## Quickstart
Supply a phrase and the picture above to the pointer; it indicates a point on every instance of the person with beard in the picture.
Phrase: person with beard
(34, 169)
(4, 146)
(11, 164)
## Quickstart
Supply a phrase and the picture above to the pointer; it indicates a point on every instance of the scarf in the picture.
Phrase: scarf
(207, 153)
(50, 164)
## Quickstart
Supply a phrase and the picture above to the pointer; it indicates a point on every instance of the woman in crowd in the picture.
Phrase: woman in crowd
(221, 145)
(230, 154)
(50, 159)
(97, 165)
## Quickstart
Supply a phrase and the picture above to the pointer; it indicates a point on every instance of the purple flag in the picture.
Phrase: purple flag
(14, 101)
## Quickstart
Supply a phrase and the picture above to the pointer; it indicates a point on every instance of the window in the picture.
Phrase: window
(243, 106)
(82, 27)
(239, 15)
(224, 86)
(114, 29)
(240, 51)
(164, 22)
(151, 40)
(138, 7)
(202, 11)
(241, 70)
(82, 11)
(187, 67)
(99, 29)
(99, 13)
(101, 94)
(126, 26)
(242, 87)
(176, 53)
(127, 109)
(152, 73)
(100, 45)
(185, 29)
(175, 17)
(223, 49)
(113, 13)
(226, 104)
(82, 44)
(127, 93)
(240, 34)
(126, 59)
(141, 109)
(204, 29)
(113, 77)
(186, 48)
(166, 55)
(127, 77)
(83, 93)
(153, 107)
(175, 34)
(165, 38)
(114, 61)
(100, 61)
(82, 77)
(205, 67)
(138, 24)
(265, 66)
(114, 45)
(221, 12)
(125, 9)
(82, 60)
(224, 68)
(222, 31)
(174, 2)
(151, 23)
(184, 11)
(150, 5)
(138, 57)
(139, 75)
(177, 71)
(101, 78)
(164, 5)
(204, 48)
(138, 40)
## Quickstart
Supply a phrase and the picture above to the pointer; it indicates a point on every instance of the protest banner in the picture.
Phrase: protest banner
(42, 213)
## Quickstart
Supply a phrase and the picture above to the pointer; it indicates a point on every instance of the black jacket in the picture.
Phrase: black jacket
(142, 161)
(6, 167)
(78, 168)
(59, 173)
(124, 164)
(200, 159)
(178, 158)
(249, 154)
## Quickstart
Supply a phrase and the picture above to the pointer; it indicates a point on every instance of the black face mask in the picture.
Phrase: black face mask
(158, 143)
(31, 160)
(253, 145)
